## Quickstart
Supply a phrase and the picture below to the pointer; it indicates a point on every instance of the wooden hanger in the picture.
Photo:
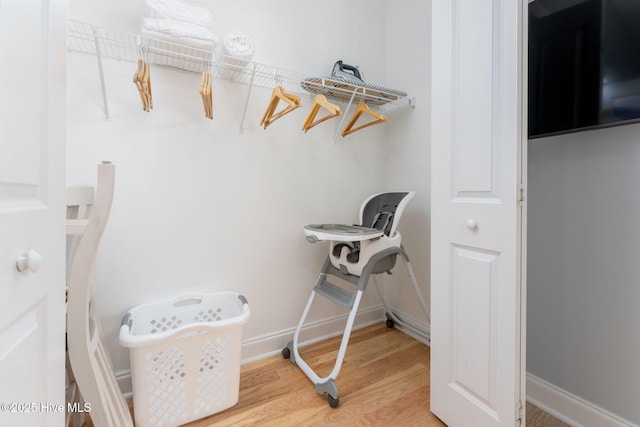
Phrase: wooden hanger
(279, 94)
(205, 91)
(320, 101)
(142, 80)
(362, 108)
(146, 84)
(137, 80)
(209, 96)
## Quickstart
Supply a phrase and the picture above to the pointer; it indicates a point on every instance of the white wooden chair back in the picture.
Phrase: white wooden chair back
(88, 213)
(79, 207)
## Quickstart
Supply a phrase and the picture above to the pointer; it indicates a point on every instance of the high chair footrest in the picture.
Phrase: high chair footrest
(335, 293)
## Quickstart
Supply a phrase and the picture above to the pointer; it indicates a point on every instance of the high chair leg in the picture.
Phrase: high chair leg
(417, 331)
(393, 319)
(326, 384)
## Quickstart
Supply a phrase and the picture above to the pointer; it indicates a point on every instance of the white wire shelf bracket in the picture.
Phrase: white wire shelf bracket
(127, 46)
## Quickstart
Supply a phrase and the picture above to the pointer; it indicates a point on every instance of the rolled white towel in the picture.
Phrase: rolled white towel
(238, 44)
(179, 10)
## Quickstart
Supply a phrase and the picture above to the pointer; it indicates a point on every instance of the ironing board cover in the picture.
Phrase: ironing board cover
(342, 88)
(341, 232)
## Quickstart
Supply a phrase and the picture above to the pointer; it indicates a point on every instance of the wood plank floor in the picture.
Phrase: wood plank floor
(384, 381)
(536, 417)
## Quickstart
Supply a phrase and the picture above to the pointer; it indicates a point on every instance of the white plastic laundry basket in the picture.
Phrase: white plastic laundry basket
(185, 356)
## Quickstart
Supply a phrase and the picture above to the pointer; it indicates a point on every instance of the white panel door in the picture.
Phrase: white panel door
(32, 173)
(477, 358)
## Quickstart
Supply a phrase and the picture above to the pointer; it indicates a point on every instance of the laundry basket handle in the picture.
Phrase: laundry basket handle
(128, 339)
(125, 320)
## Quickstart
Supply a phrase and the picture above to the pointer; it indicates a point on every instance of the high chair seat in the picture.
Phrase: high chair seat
(351, 250)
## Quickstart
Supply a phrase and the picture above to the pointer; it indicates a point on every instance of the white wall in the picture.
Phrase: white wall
(583, 266)
(199, 206)
(408, 149)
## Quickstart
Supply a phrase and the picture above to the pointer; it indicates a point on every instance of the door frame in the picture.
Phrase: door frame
(523, 186)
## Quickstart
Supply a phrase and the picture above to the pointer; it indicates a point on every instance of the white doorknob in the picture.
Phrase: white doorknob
(31, 260)
(471, 224)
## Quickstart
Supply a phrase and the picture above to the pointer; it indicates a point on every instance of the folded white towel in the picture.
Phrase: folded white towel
(177, 28)
(179, 10)
(209, 45)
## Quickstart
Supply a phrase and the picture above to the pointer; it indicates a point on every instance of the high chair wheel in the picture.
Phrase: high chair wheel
(390, 323)
(286, 353)
(334, 402)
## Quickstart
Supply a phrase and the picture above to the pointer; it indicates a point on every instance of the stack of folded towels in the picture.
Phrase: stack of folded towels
(179, 22)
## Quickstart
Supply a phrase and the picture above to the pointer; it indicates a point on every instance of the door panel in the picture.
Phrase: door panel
(32, 172)
(477, 364)
(26, 336)
(19, 163)
(474, 329)
(472, 63)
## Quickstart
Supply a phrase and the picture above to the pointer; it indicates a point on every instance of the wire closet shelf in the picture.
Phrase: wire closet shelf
(127, 46)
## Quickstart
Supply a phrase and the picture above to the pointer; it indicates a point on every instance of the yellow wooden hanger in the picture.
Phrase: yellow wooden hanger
(320, 101)
(137, 80)
(209, 95)
(146, 85)
(142, 80)
(205, 92)
(362, 108)
(202, 91)
(279, 94)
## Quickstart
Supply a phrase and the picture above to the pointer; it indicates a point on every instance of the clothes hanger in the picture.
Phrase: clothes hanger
(205, 92)
(146, 84)
(142, 80)
(137, 80)
(203, 83)
(279, 94)
(208, 95)
(362, 108)
(318, 102)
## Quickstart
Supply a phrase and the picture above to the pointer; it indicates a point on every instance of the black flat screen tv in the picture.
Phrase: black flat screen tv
(584, 65)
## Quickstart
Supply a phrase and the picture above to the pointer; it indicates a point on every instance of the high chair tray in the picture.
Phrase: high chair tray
(340, 232)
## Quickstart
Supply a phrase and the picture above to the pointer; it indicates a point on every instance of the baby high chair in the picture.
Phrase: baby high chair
(355, 253)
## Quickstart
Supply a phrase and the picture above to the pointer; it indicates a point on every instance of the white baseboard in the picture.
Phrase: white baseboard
(271, 344)
(569, 408)
(124, 382)
(415, 328)
(268, 345)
